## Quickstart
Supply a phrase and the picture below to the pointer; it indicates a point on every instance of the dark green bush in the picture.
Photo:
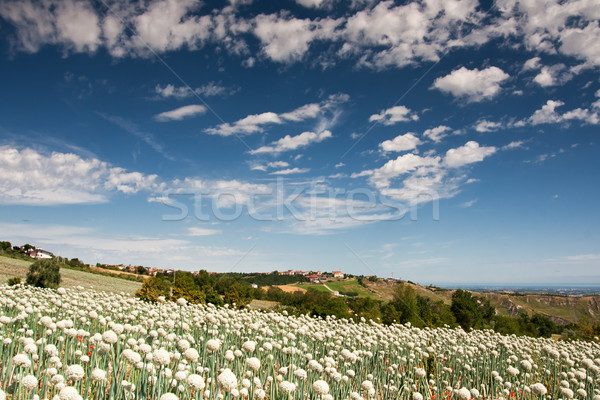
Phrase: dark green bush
(44, 273)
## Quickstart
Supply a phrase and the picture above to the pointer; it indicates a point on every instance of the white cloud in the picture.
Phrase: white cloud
(181, 113)
(255, 123)
(513, 145)
(415, 179)
(291, 171)
(199, 231)
(487, 126)
(377, 35)
(544, 78)
(436, 134)
(403, 164)
(583, 43)
(32, 178)
(548, 115)
(288, 143)
(408, 141)
(470, 153)
(287, 39)
(169, 25)
(552, 75)
(469, 203)
(394, 115)
(274, 164)
(475, 85)
(532, 63)
(72, 24)
(302, 113)
(312, 3)
(183, 92)
(388, 35)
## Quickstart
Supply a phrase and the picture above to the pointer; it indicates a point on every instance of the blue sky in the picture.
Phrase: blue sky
(441, 142)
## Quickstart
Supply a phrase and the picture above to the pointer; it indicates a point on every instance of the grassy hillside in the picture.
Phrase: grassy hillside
(339, 285)
(10, 267)
(350, 285)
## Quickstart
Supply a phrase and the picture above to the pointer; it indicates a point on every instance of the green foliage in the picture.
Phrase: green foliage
(75, 263)
(141, 270)
(366, 308)
(470, 311)
(44, 273)
(185, 286)
(236, 295)
(152, 289)
(13, 281)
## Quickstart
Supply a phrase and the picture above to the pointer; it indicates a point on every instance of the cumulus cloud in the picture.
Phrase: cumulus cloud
(181, 113)
(470, 153)
(381, 177)
(289, 143)
(71, 24)
(583, 42)
(532, 63)
(484, 125)
(414, 178)
(33, 178)
(436, 134)
(474, 85)
(287, 39)
(549, 75)
(405, 142)
(549, 115)
(376, 35)
(394, 115)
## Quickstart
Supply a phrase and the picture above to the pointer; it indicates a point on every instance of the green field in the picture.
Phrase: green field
(350, 285)
(312, 286)
(11, 267)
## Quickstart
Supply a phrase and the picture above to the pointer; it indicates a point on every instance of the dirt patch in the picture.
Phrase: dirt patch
(290, 288)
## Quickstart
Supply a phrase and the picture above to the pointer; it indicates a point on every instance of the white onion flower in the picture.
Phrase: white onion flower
(320, 387)
(227, 380)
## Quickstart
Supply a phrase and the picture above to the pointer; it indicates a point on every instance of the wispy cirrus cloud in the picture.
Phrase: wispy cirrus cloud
(289, 143)
(256, 123)
(180, 113)
(290, 171)
(184, 92)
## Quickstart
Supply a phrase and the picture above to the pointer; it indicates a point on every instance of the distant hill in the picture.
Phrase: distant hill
(562, 310)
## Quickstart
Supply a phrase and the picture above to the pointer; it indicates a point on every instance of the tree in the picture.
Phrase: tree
(44, 273)
(185, 287)
(235, 294)
(466, 309)
(5, 246)
(152, 289)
